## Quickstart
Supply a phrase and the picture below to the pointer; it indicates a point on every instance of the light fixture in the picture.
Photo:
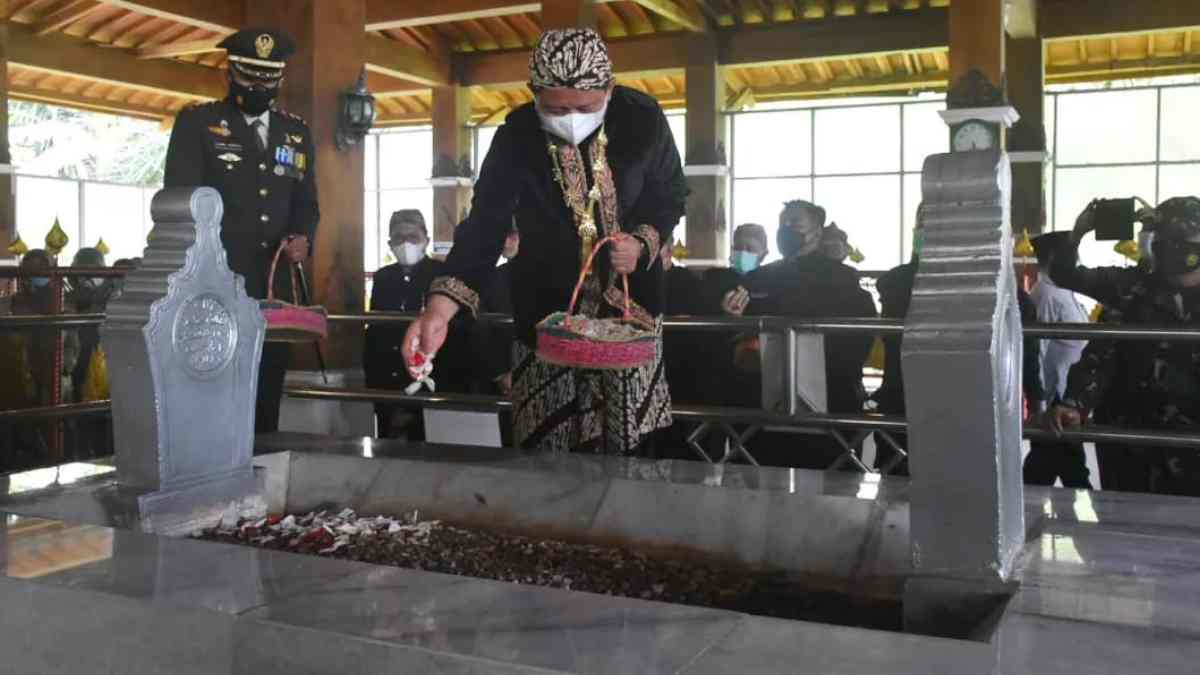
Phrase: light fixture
(356, 113)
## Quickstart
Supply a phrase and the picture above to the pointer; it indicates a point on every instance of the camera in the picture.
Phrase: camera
(1114, 219)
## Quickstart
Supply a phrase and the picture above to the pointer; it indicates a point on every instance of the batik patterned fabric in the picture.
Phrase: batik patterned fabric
(602, 411)
(575, 58)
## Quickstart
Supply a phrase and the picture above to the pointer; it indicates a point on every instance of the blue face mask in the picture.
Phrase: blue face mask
(39, 282)
(744, 262)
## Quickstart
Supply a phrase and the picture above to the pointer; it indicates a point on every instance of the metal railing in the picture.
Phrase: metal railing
(709, 418)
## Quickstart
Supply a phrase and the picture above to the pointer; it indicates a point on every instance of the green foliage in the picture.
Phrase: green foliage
(48, 140)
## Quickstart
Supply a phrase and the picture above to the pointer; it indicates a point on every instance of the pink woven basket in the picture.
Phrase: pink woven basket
(577, 341)
(287, 322)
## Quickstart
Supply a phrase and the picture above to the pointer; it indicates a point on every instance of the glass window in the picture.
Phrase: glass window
(1077, 187)
(39, 202)
(374, 239)
(1178, 180)
(370, 162)
(773, 144)
(118, 214)
(483, 142)
(678, 124)
(1179, 138)
(912, 200)
(1107, 127)
(405, 159)
(867, 208)
(760, 201)
(1048, 118)
(856, 140)
(925, 134)
(391, 201)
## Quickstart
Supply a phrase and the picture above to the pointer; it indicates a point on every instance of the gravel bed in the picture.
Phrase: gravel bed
(439, 546)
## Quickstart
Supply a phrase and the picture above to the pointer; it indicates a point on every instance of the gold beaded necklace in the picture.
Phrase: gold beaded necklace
(584, 212)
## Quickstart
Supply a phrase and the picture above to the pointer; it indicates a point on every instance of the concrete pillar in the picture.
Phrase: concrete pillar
(452, 142)
(330, 52)
(568, 14)
(1027, 140)
(706, 164)
(8, 194)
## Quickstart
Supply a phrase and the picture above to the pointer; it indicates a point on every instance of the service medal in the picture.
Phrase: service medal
(229, 157)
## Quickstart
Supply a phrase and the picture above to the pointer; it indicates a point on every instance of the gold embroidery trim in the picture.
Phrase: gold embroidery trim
(457, 290)
(650, 238)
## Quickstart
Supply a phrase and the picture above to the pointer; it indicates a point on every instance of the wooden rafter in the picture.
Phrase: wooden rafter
(669, 9)
(391, 58)
(176, 49)
(67, 15)
(386, 14)
(218, 16)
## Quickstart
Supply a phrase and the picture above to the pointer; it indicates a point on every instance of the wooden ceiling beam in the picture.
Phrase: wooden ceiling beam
(218, 16)
(393, 59)
(60, 54)
(389, 14)
(1067, 19)
(793, 42)
(82, 102)
(174, 49)
(67, 15)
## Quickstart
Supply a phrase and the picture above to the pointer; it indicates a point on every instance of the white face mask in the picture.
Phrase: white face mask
(574, 127)
(408, 254)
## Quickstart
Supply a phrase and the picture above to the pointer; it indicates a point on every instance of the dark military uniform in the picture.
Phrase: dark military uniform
(1138, 383)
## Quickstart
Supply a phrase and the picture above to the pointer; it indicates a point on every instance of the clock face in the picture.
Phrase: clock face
(973, 136)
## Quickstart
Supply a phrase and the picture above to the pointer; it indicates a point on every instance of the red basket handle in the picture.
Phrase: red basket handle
(588, 268)
(271, 279)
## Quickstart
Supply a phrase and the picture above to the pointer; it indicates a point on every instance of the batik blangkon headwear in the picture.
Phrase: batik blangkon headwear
(574, 58)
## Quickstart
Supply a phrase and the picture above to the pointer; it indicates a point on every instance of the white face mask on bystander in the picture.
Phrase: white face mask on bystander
(408, 254)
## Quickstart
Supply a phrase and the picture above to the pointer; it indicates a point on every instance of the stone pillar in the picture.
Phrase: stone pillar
(452, 170)
(330, 52)
(1027, 140)
(184, 343)
(8, 194)
(568, 14)
(706, 164)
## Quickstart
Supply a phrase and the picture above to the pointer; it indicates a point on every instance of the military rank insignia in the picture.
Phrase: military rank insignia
(295, 139)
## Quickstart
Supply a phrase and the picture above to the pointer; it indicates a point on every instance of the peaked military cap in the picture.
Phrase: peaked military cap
(260, 53)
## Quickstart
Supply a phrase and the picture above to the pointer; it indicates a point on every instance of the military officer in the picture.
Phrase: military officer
(261, 160)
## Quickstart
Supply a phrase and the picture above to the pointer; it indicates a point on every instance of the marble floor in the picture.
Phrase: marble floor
(1110, 583)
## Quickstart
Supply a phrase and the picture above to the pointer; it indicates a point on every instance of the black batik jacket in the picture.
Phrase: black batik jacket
(516, 183)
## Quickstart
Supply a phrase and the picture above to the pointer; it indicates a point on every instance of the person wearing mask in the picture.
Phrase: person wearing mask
(808, 284)
(398, 287)
(586, 160)
(1047, 462)
(261, 159)
(1137, 383)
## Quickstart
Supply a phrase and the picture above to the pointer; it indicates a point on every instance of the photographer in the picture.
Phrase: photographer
(1138, 383)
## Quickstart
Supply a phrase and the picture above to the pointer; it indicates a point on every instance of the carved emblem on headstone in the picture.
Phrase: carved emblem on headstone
(184, 341)
(205, 334)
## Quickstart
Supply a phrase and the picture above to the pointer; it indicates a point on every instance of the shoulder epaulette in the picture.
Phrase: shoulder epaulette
(290, 115)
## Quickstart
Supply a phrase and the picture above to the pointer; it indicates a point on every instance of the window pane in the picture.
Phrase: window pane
(483, 142)
(678, 124)
(760, 201)
(1077, 187)
(772, 144)
(925, 134)
(39, 202)
(867, 208)
(1179, 138)
(1106, 127)
(1178, 180)
(912, 199)
(374, 245)
(405, 159)
(1048, 117)
(116, 213)
(370, 164)
(391, 201)
(856, 140)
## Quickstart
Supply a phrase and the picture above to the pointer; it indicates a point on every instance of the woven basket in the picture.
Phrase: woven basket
(287, 322)
(568, 339)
